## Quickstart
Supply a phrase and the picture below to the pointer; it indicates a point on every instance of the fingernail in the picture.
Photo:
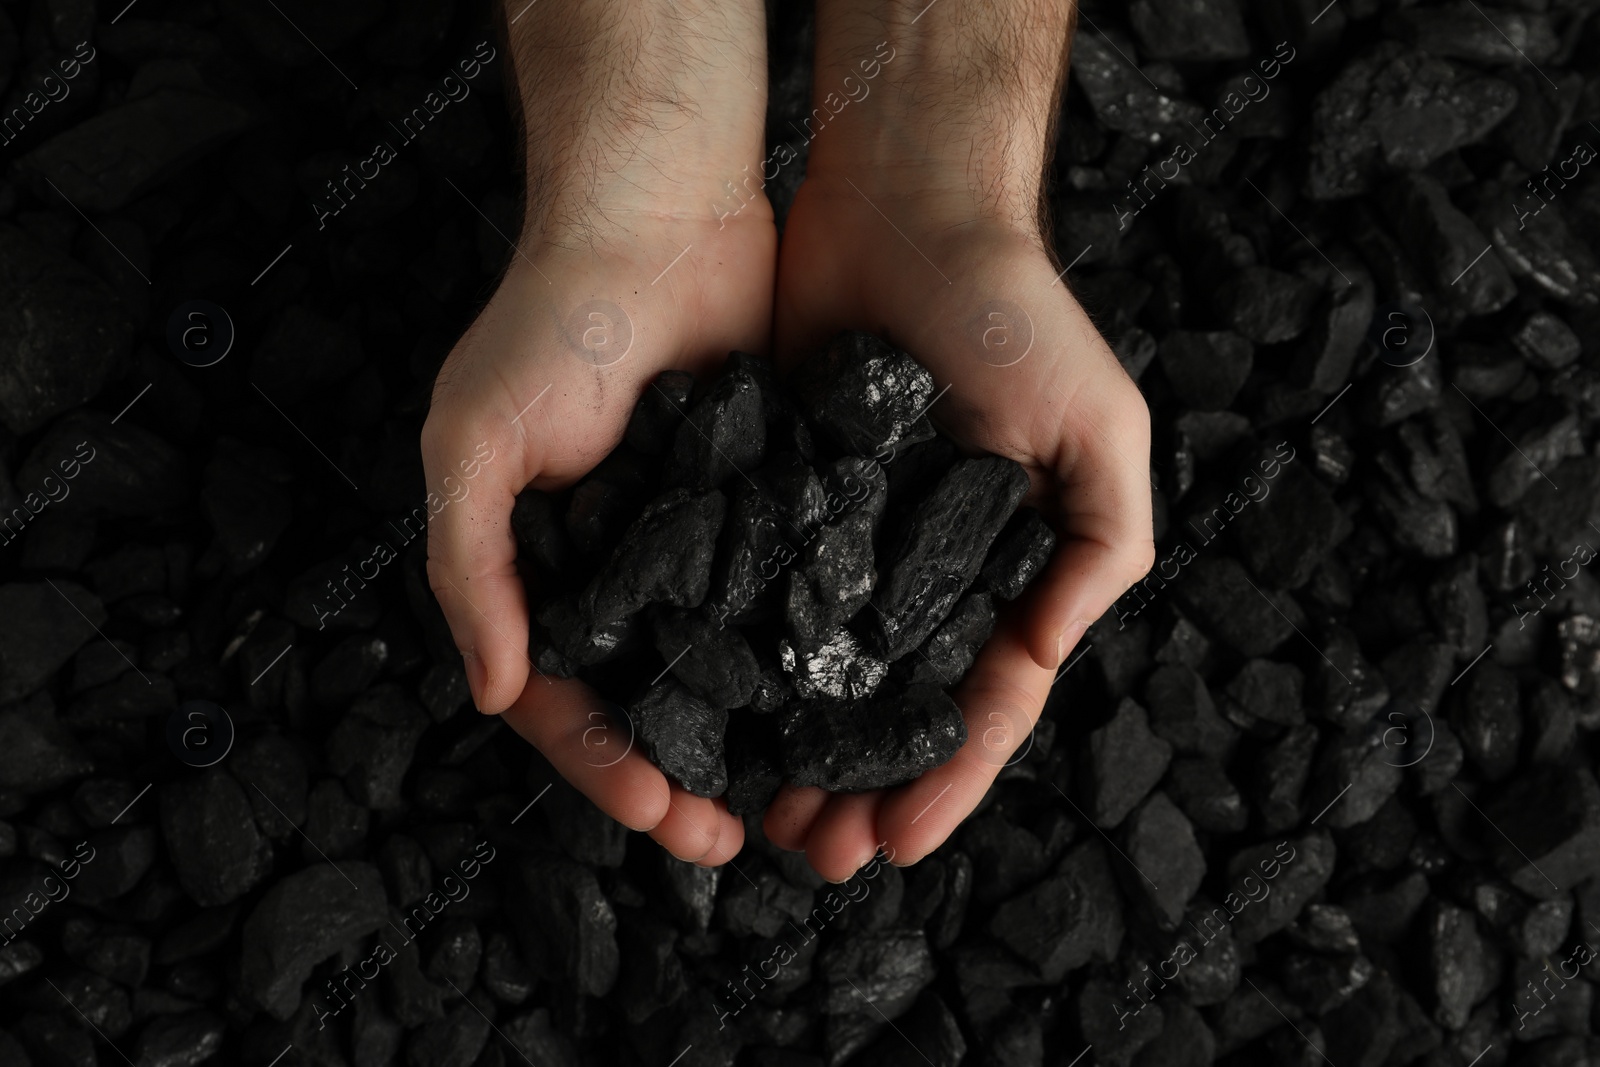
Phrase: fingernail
(477, 677)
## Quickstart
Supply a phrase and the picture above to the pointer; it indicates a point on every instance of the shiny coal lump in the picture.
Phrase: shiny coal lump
(814, 556)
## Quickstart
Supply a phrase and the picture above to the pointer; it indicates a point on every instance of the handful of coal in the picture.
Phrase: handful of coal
(781, 579)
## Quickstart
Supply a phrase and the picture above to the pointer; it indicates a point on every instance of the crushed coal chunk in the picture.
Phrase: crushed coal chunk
(1183, 713)
(863, 394)
(1544, 340)
(947, 656)
(833, 580)
(1226, 604)
(567, 927)
(950, 533)
(1265, 697)
(1266, 306)
(538, 524)
(850, 747)
(1160, 843)
(1124, 99)
(1207, 796)
(755, 763)
(1206, 369)
(1553, 816)
(1066, 920)
(840, 669)
(212, 838)
(1444, 242)
(665, 557)
(794, 488)
(660, 412)
(748, 571)
(1124, 762)
(683, 735)
(1287, 533)
(714, 661)
(1190, 29)
(581, 642)
(374, 743)
(1019, 554)
(301, 921)
(1298, 869)
(724, 435)
(873, 973)
(1396, 108)
(606, 500)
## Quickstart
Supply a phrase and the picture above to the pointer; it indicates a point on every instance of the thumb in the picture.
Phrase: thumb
(472, 554)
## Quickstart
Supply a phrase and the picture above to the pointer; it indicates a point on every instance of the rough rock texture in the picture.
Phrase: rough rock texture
(1124, 761)
(1018, 555)
(63, 333)
(683, 735)
(103, 163)
(714, 661)
(665, 557)
(301, 921)
(948, 537)
(853, 747)
(864, 394)
(1395, 108)
(212, 838)
(724, 435)
(1346, 253)
(44, 623)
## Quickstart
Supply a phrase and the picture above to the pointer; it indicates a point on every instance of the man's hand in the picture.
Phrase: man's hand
(919, 221)
(636, 119)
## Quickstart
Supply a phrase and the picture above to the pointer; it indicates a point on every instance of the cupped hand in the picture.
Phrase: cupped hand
(546, 378)
(1019, 371)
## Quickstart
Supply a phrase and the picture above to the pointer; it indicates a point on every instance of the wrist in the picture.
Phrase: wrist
(961, 112)
(643, 111)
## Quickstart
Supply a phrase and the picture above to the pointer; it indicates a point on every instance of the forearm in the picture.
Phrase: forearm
(965, 105)
(640, 107)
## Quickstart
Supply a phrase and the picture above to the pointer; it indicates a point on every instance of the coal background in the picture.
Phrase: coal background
(1347, 657)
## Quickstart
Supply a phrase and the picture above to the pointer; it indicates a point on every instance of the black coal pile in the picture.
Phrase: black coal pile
(1320, 789)
(820, 566)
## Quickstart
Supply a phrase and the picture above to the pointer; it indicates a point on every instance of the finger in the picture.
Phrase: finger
(691, 827)
(1102, 510)
(1000, 701)
(730, 837)
(844, 837)
(563, 719)
(472, 555)
(791, 813)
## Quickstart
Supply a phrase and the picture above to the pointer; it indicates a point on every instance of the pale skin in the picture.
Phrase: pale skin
(919, 220)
